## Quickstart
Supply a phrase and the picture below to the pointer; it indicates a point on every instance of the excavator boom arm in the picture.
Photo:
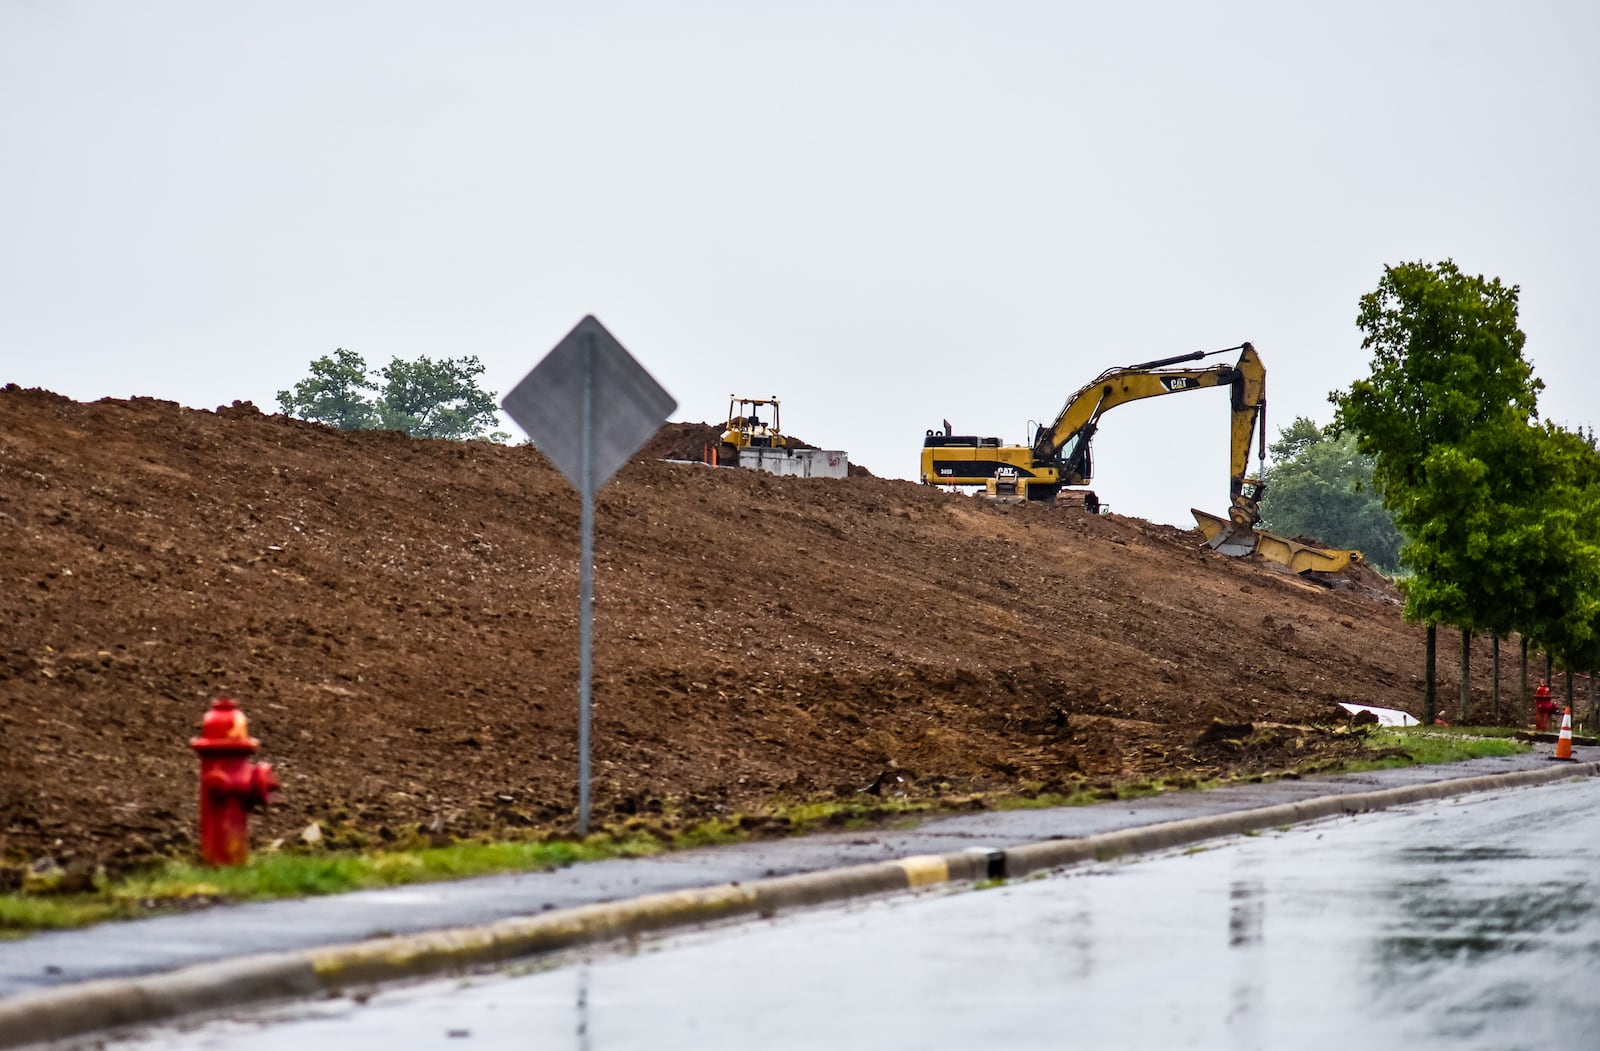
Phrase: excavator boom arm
(1249, 414)
(1074, 425)
(1118, 387)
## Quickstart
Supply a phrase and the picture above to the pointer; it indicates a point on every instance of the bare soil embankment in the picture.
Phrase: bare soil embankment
(399, 620)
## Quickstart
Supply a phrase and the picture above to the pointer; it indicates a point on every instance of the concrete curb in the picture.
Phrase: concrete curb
(88, 1007)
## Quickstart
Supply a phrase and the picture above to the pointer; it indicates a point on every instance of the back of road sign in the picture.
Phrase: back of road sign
(589, 402)
(588, 406)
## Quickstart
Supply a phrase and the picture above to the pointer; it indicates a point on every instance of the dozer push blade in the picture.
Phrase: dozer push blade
(1231, 538)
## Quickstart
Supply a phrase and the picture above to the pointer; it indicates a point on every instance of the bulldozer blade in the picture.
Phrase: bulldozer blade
(1230, 538)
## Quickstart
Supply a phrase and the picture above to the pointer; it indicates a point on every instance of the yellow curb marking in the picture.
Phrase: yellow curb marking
(530, 933)
(925, 869)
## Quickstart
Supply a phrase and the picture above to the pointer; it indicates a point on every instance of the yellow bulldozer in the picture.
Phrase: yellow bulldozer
(747, 429)
(1058, 458)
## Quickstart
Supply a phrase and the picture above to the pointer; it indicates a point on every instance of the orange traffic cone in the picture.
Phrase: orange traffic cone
(1564, 742)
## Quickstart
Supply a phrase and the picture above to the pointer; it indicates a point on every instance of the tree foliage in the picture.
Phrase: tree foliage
(1447, 415)
(1446, 363)
(334, 393)
(436, 399)
(1504, 539)
(1566, 599)
(424, 398)
(1319, 485)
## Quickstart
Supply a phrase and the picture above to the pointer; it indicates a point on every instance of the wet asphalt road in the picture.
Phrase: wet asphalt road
(165, 943)
(1469, 923)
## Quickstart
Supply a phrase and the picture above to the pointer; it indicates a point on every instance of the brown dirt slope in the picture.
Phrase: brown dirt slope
(398, 619)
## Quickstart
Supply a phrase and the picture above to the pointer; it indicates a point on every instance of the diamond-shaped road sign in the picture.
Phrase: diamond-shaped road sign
(589, 405)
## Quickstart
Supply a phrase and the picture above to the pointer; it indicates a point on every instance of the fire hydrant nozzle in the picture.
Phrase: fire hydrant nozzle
(230, 784)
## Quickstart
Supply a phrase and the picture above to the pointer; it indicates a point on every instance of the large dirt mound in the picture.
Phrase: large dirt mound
(398, 619)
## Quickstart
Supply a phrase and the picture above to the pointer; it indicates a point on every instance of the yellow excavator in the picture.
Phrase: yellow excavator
(1059, 455)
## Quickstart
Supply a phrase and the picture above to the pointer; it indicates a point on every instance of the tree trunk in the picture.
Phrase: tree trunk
(1569, 689)
(1429, 700)
(1594, 713)
(1466, 676)
(1547, 667)
(1522, 698)
(1495, 696)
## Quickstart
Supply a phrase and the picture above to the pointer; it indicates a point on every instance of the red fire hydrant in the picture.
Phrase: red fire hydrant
(1543, 707)
(230, 785)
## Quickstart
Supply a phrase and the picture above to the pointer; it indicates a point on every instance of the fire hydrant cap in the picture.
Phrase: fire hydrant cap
(224, 729)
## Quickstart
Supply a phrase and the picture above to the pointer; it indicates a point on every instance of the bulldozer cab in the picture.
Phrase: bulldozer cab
(745, 428)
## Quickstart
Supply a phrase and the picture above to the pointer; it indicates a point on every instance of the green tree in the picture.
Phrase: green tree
(1444, 413)
(424, 398)
(1293, 439)
(1446, 362)
(436, 399)
(333, 393)
(1320, 485)
(1566, 596)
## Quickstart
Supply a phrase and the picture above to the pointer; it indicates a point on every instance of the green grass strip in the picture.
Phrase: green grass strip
(1430, 745)
(178, 885)
(301, 872)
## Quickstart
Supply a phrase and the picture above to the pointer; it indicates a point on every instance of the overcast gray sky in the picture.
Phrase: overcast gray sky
(886, 213)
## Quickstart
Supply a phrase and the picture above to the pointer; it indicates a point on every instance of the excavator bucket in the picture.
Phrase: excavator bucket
(1237, 540)
(1226, 536)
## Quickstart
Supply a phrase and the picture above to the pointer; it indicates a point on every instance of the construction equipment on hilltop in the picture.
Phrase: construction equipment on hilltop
(751, 442)
(1058, 457)
(746, 429)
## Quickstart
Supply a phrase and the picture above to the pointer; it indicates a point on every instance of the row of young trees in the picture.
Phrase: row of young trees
(1500, 512)
(424, 398)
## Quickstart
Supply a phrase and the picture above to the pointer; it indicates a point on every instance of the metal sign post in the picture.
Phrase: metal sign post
(585, 592)
(588, 406)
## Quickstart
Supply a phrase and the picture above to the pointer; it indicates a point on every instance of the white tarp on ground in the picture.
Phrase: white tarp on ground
(1386, 716)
